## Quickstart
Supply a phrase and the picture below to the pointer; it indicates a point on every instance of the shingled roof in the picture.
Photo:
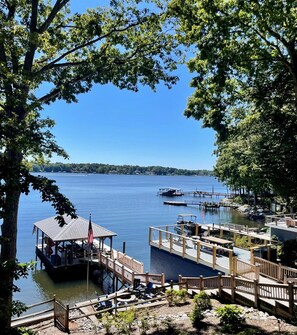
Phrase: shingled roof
(75, 229)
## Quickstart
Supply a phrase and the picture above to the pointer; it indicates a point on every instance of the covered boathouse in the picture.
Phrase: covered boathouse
(64, 251)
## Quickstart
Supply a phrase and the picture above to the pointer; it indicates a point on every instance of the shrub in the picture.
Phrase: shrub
(181, 296)
(176, 297)
(124, 321)
(196, 316)
(202, 303)
(202, 300)
(143, 322)
(24, 331)
(242, 242)
(107, 322)
(230, 318)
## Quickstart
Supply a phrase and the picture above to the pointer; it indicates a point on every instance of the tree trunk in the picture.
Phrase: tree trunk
(9, 240)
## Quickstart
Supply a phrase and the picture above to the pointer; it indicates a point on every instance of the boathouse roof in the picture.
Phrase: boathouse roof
(75, 229)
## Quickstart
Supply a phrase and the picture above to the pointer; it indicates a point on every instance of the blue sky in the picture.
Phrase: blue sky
(114, 126)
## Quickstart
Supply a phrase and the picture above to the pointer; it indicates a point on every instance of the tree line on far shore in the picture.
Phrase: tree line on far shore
(117, 169)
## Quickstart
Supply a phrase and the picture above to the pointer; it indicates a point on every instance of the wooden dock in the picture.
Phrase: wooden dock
(200, 204)
(211, 194)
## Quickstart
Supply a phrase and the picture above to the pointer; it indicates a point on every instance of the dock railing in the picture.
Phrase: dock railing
(189, 247)
(278, 299)
(127, 274)
(129, 262)
(279, 217)
(275, 271)
(246, 270)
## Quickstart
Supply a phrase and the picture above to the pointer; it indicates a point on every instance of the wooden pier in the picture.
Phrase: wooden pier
(203, 194)
(201, 204)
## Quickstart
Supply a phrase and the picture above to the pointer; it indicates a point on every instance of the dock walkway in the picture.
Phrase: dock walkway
(200, 204)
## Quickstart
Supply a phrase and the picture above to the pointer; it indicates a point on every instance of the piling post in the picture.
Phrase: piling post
(252, 256)
(256, 293)
(171, 243)
(184, 246)
(67, 319)
(214, 257)
(235, 265)
(233, 287)
(160, 239)
(269, 252)
(55, 311)
(163, 279)
(150, 234)
(279, 272)
(291, 297)
(201, 283)
(180, 282)
(230, 261)
(220, 283)
(115, 303)
(198, 252)
(196, 229)
(257, 271)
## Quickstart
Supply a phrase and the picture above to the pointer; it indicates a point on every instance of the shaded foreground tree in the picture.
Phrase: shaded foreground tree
(245, 80)
(48, 53)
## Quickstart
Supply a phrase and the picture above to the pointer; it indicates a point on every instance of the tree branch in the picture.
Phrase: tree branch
(53, 63)
(57, 7)
(32, 47)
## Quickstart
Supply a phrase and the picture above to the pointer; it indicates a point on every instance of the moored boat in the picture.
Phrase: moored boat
(186, 224)
(170, 192)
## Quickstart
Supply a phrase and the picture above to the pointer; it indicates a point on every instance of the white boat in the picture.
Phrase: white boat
(186, 224)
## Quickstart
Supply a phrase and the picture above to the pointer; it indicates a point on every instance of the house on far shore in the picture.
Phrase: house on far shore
(283, 226)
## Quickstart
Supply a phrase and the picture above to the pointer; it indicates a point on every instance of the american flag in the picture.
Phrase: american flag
(90, 232)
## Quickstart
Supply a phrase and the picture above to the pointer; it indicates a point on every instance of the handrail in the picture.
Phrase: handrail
(275, 292)
(184, 246)
(273, 270)
(44, 312)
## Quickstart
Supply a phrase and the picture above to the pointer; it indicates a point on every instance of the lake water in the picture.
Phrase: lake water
(125, 204)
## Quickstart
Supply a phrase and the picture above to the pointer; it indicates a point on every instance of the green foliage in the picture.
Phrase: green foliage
(143, 322)
(242, 242)
(123, 321)
(196, 316)
(230, 318)
(116, 169)
(107, 322)
(176, 297)
(202, 303)
(245, 82)
(19, 270)
(289, 253)
(25, 331)
(49, 53)
(202, 300)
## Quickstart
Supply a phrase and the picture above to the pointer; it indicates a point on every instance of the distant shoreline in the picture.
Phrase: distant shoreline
(99, 168)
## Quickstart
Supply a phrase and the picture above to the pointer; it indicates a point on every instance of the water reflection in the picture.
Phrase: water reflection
(69, 292)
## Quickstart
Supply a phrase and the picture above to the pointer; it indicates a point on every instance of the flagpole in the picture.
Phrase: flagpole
(88, 268)
(90, 242)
